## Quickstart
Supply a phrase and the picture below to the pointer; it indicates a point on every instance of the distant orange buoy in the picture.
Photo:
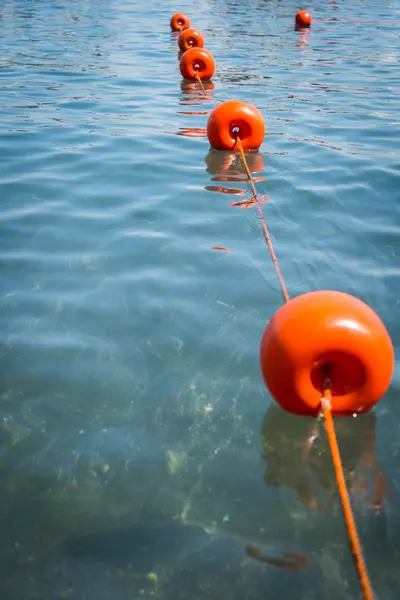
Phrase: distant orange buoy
(303, 19)
(190, 38)
(179, 22)
(233, 119)
(326, 332)
(197, 60)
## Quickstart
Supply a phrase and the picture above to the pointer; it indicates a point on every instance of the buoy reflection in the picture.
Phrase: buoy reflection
(193, 95)
(297, 456)
(227, 166)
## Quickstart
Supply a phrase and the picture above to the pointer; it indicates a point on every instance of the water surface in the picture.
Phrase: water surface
(139, 449)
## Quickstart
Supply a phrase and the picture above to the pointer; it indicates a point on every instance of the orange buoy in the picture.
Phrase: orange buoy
(197, 60)
(179, 22)
(190, 38)
(303, 19)
(326, 333)
(233, 119)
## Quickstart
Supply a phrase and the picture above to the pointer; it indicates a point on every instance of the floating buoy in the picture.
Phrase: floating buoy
(197, 60)
(326, 333)
(190, 38)
(233, 119)
(303, 19)
(179, 22)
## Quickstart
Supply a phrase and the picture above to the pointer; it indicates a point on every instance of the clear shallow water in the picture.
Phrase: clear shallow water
(136, 436)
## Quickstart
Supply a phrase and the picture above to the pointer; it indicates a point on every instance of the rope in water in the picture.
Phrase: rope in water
(200, 82)
(263, 222)
(344, 496)
(259, 206)
(325, 400)
(326, 409)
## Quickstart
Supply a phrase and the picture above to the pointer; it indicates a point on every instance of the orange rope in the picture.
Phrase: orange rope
(200, 82)
(344, 496)
(264, 225)
(326, 408)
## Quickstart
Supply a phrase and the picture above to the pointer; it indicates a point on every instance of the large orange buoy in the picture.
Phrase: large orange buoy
(326, 333)
(303, 19)
(179, 22)
(233, 119)
(190, 38)
(197, 60)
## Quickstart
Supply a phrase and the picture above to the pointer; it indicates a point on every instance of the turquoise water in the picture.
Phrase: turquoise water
(139, 449)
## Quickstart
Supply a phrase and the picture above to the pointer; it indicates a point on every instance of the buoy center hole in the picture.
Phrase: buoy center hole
(199, 66)
(346, 373)
(240, 129)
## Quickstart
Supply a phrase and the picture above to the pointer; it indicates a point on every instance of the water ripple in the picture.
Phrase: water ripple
(125, 340)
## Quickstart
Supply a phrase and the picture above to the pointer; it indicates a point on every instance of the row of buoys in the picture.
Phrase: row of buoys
(231, 119)
(180, 21)
(323, 352)
(318, 333)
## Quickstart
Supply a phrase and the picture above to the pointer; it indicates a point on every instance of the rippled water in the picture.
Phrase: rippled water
(139, 449)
